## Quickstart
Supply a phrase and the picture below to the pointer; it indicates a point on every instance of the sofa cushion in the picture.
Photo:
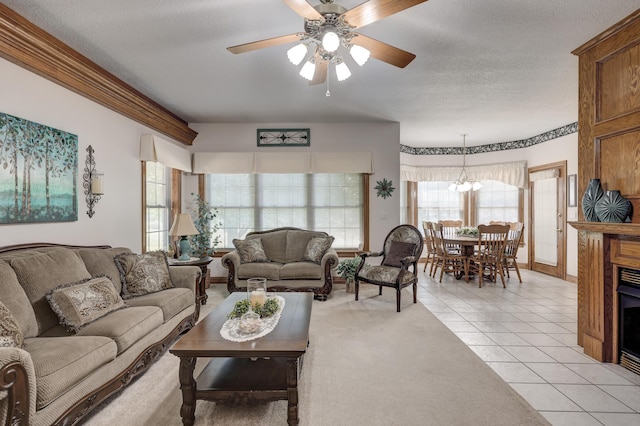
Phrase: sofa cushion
(125, 326)
(316, 248)
(250, 250)
(40, 272)
(78, 304)
(10, 333)
(398, 250)
(300, 271)
(143, 273)
(100, 262)
(171, 301)
(274, 244)
(270, 270)
(16, 300)
(61, 362)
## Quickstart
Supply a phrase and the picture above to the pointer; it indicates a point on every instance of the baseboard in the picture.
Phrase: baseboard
(572, 279)
(216, 280)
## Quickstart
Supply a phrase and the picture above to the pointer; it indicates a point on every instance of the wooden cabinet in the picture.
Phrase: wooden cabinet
(608, 149)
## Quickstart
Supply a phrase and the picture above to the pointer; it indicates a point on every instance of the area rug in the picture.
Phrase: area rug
(366, 365)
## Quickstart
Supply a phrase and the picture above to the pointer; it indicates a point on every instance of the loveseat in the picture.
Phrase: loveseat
(79, 323)
(291, 259)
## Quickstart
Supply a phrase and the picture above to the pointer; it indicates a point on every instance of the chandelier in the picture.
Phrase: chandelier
(463, 183)
(321, 42)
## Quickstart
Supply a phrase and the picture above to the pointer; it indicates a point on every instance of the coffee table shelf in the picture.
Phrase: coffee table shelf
(245, 373)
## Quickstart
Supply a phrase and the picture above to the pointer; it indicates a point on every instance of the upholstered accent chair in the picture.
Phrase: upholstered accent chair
(399, 267)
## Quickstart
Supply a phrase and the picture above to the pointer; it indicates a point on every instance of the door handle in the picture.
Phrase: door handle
(558, 230)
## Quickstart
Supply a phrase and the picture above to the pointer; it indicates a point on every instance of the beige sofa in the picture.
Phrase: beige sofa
(56, 377)
(286, 265)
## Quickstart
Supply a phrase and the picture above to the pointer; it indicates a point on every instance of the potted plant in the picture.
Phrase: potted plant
(347, 269)
(205, 218)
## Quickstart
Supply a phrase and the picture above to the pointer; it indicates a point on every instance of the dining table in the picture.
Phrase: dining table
(467, 245)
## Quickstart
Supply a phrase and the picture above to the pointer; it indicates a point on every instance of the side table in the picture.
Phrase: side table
(202, 263)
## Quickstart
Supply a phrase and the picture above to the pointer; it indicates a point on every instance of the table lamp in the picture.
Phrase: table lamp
(182, 227)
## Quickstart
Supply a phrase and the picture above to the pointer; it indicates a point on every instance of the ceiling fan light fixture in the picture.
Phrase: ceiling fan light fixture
(330, 41)
(308, 70)
(297, 53)
(342, 71)
(359, 54)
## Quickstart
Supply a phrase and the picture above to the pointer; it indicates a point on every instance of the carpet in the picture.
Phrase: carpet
(366, 365)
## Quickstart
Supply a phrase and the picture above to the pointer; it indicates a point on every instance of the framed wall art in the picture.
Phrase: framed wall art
(284, 137)
(38, 169)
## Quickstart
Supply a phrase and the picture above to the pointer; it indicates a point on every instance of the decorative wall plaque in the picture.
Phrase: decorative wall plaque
(284, 137)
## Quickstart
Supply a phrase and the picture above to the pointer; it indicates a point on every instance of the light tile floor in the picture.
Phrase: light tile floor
(527, 334)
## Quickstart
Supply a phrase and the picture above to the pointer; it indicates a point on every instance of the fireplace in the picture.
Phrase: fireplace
(629, 319)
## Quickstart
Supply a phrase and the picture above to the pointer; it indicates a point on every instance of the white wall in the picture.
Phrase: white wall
(560, 149)
(382, 139)
(116, 141)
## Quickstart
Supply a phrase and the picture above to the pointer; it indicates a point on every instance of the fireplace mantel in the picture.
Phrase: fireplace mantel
(608, 228)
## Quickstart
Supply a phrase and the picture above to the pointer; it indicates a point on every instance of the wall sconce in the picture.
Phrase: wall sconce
(93, 182)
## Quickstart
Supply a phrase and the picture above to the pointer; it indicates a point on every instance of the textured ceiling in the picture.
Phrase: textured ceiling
(498, 70)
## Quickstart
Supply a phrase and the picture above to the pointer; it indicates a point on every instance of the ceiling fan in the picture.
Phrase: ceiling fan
(329, 25)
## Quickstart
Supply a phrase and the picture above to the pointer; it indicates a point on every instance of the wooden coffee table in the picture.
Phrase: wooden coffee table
(246, 373)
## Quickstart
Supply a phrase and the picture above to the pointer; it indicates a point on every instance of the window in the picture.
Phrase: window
(333, 203)
(495, 201)
(157, 206)
(436, 202)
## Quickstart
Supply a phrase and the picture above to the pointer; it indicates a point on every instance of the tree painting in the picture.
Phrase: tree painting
(38, 167)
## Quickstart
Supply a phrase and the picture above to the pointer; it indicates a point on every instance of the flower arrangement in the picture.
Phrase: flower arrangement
(205, 220)
(347, 268)
(243, 306)
(467, 231)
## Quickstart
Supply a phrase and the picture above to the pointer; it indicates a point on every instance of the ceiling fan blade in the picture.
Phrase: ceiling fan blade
(304, 9)
(384, 52)
(269, 42)
(374, 10)
(320, 75)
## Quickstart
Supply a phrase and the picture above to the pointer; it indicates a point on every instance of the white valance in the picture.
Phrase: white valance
(154, 148)
(544, 174)
(282, 162)
(510, 173)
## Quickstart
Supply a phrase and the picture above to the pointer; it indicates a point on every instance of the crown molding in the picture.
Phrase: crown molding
(30, 47)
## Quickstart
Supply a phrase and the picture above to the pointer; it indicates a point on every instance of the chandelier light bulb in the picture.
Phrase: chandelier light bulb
(342, 71)
(297, 53)
(330, 41)
(359, 54)
(308, 70)
(476, 185)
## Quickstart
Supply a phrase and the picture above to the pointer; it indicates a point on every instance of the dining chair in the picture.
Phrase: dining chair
(516, 229)
(431, 249)
(487, 261)
(449, 228)
(449, 261)
(399, 266)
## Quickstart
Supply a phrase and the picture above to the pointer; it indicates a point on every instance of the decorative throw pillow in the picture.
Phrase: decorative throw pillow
(316, 248)
(78, 304)
(143, 273)
(250, 250)
(398, 250)
(10, 333)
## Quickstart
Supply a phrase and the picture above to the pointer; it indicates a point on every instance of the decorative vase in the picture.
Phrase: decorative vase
(590, 198)
(612, 207)
(350, 285)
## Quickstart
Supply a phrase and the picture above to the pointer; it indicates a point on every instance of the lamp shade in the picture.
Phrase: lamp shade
(183, 225)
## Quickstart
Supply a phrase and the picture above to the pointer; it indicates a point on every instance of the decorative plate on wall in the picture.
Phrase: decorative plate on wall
(284, 137)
